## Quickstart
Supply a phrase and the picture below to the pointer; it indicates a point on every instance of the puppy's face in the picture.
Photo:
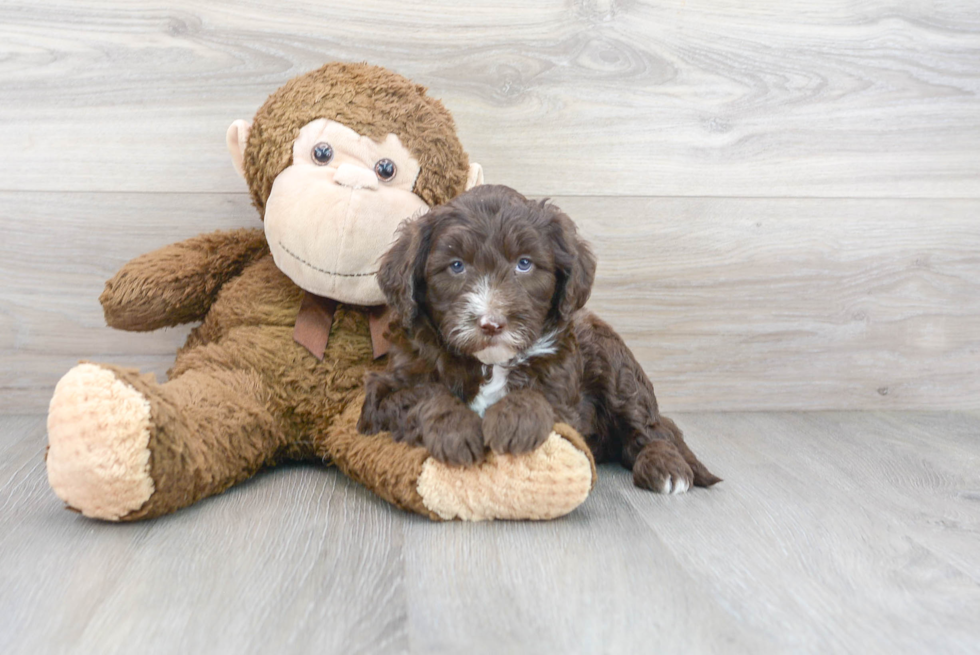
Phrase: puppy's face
(490, 278)
(491, 271)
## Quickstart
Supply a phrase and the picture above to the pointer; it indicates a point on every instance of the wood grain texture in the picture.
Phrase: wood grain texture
(833, 532)
(736, 304)
(843, 515)
(315, 565)
(848, 98)
(729, 304)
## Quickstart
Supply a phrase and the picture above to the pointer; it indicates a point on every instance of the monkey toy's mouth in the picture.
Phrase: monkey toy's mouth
(322, 270)
(327, 238)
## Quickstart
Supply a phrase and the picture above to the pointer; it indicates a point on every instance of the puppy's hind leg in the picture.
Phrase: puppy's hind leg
(658, 465)
(702, 476)
(652, 446)
(661, 460)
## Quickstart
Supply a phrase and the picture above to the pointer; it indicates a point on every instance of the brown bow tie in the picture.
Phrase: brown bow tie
(315, 319)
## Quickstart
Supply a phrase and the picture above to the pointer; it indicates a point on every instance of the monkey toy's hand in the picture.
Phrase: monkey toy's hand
(178, 283)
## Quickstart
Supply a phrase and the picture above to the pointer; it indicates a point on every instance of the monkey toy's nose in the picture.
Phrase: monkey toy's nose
(492, 325)
(355, 177)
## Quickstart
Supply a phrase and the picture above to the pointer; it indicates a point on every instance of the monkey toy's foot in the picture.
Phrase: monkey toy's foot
(98, 456)
(545, 483)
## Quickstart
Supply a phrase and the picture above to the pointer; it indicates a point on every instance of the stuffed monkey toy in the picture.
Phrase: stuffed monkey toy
(291, 319)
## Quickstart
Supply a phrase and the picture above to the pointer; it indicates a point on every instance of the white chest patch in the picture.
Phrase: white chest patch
(491, 391)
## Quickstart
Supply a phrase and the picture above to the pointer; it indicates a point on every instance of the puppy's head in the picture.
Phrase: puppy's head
(491, 272)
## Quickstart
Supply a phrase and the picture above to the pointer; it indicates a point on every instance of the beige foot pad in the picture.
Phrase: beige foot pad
(98, 436)
(544, 484)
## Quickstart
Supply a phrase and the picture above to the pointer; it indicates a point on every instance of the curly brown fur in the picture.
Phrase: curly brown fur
(489, 291)
(519, 422)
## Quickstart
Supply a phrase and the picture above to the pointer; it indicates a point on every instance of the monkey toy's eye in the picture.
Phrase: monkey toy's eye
(456, 266)
(524, 265)
(385, 169)
(322, 153)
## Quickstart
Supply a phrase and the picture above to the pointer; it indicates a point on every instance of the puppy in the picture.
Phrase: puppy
(491, 346)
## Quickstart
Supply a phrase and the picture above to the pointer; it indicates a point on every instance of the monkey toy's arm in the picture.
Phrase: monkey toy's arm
(178, 283)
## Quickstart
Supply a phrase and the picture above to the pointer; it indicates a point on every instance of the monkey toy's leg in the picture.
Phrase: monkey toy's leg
(546, 483)
(123, 447)
(649, 444)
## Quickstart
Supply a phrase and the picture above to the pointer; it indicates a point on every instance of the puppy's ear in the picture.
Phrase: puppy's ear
(401, 274)
(574, 266)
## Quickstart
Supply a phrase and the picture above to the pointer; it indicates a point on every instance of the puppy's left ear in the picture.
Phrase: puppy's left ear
(574, 266)
(401, 274)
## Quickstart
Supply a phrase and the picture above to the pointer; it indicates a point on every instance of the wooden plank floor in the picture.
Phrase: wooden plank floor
(833, 532)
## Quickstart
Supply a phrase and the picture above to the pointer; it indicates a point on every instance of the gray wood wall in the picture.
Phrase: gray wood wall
(785, 197)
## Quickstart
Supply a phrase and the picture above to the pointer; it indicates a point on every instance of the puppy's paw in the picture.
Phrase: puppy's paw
(660, 467)
(452, 435)
(519, 423)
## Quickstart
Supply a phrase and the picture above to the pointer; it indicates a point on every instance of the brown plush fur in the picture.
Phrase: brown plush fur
(491, 269)
(373, 102)
(242, 393)
(180, 283)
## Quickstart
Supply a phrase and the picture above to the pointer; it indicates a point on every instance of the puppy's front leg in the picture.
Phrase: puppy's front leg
(451, 431)
(519, 422)
(378, 388)
(387, 407)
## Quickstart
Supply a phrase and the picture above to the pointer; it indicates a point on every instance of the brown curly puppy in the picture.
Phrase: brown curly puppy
(492, 345)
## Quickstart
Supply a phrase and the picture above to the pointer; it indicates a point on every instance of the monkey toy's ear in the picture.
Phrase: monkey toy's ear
(475, 176)
(401, 275)
(237, 139)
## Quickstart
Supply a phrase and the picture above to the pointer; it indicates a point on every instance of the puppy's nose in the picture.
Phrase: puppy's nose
(355, 177)
(493, 325)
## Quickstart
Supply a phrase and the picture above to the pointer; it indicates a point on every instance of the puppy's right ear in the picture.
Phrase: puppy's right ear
(401, 275)
(574, 263)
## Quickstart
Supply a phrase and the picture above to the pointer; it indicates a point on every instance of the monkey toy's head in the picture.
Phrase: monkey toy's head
(335, 160)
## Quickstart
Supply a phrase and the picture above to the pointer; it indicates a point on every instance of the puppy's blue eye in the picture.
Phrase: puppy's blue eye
(524, 264)
(456, 266)
(322, 153)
